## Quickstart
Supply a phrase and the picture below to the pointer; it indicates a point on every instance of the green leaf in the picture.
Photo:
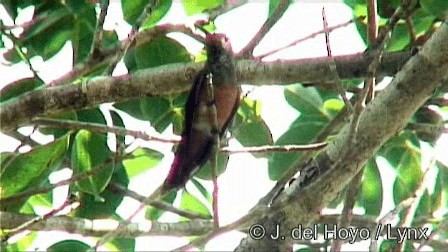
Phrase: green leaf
(47, 37)
(106, 203)
(399, 39)
(388, 245)
(161, 112)
(250, 129)
(198, 6)
(386, 8)
(301, 133)
(425, 205)
(31, 169)
(28, 207)
(202, 190)
(69, 245)
(42, 200)
(19, 87)
(132, 10)
(437, 8)
(91, 115)
(422, 21)
(129, 60)
(48, 23)
(359, 9)
(83, 32)
(89, 151)
(131, 107)
(118, 121)
(160, 51)
(193, 204)
(304, 250)
(121, 244)
(333, 106)
(443, 176)
(254, 134)
(306, 100)
(409, 174)
(110, 39)
(58, 132)
(392, 150)
(370, 196)
(437, 196)
(23, 244)
(141, 160)
(157, 13)
(205, 172)
(154, 214)
(429, 203)
(158, 111)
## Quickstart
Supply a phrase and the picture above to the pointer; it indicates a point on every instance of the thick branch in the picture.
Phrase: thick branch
(174, 79)
(381, 119)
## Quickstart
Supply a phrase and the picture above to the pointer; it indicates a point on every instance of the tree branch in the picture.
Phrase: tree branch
(101, 128)
(382, 118)
(98, 228)
(274, 148)
(174, 78)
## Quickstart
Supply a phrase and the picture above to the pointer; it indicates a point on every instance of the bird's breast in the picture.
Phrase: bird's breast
(226, 98)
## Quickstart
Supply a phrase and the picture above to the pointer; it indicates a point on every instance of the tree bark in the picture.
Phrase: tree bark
(175, 78)
(342, 159)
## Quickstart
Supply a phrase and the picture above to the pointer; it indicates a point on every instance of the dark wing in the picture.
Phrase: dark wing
(193, 101)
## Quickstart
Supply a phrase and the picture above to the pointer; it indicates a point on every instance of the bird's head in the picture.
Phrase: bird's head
(218, 48)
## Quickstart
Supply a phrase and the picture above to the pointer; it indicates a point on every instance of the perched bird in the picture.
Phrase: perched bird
(199, 133)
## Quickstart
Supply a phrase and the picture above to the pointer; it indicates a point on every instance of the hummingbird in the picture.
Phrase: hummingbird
(199, 134)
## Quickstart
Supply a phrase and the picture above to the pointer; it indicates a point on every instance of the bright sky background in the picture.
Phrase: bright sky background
(239, 188)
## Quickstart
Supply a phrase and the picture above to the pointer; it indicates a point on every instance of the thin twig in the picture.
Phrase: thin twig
(98, 227)
(200, 241)
(98, 35)
(332, 64)
(274, 148)
(21, 53)
(411, 30)
(156, 203)
(310, 36)
(100, 128)
(353, 187)
(24, 139)
(372, 34)
(25, 226)
(372, 22)
(248, 50)
(111, 55)
(441, 102)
